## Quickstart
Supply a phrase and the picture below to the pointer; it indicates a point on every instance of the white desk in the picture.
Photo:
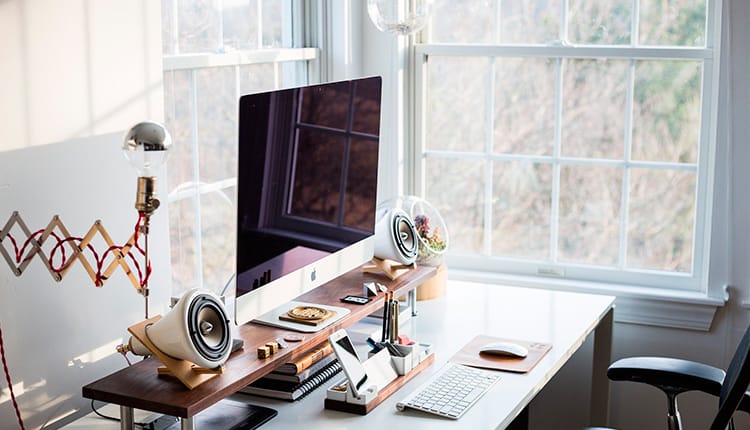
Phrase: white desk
(467, 309)
(449, 322)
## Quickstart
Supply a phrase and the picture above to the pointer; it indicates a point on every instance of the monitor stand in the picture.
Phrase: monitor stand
(272, 318)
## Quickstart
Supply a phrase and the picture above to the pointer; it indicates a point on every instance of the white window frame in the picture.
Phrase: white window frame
(642, 297)
(297, 33)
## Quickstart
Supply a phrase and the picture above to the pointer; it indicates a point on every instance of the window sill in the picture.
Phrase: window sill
(634, 305)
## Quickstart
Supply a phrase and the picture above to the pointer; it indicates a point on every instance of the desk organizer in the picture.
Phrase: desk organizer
(405, 369)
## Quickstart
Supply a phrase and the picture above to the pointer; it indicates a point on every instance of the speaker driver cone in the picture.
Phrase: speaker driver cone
(208, 327)
(395, 236)
(404, 236)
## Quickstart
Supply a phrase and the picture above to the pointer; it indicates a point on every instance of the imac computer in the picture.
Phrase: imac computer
(306, 190)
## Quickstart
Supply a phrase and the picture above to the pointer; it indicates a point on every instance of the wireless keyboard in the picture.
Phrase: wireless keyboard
(451, 391)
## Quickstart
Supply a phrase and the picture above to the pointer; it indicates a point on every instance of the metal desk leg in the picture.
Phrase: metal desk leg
(126, 418)
(187, 424)
(411, 297)
(599, 414)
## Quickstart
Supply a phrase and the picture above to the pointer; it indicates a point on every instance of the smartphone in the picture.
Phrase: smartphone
(358, 300)
(347, 356)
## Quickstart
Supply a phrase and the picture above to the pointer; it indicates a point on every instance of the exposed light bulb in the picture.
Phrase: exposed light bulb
(146, 147)
(399, 16)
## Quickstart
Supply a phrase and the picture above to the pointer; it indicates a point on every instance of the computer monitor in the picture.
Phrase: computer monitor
(306, 189)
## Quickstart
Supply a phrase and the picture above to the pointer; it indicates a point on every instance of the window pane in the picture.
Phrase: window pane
(218, 237)
(218, 232)
(521, 209)
(178, 108)
(257, 78)
(661, 219)
(240, 24)
(526, 22)
(462, 22)
(457, 104)
(272, 22)
(524, 106)
(198, 23)
(590, 199)
(217, 123)
(167, 27)
(593, 119)
(456, 189)
(666, 111)
(673, 22)
(601, 22)
(183, 240)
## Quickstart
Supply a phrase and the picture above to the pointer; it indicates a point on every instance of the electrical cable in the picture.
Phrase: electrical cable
(10, 384)
(19, 252)
(107, 417)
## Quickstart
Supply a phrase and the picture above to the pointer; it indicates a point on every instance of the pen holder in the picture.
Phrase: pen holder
(410, 358)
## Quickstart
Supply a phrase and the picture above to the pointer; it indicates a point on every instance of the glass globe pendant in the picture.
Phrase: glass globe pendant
(399, 16)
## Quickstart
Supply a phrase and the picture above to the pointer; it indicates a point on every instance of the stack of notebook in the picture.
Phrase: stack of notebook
(294, 380)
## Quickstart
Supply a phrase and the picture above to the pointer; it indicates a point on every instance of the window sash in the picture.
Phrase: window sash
(697, 279)
(288, 63)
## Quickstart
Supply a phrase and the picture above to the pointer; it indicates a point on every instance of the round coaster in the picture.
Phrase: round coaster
(294, 337)
(307, 313)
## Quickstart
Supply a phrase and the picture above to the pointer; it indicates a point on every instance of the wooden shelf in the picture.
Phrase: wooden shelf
(138, 386)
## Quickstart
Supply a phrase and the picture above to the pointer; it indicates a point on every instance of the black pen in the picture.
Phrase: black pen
(386, 331)
(394, 330)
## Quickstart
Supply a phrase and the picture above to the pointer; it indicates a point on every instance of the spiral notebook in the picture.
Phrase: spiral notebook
(290, 390)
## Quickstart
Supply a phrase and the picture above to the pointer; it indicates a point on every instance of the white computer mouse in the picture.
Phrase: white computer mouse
(506, 349)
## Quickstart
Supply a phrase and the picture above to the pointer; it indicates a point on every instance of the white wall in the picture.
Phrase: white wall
(74, 75)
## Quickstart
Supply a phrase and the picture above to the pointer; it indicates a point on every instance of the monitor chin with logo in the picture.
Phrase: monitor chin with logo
(306, 190)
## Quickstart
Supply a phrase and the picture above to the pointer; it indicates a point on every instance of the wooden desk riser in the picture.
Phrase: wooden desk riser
(138, 386)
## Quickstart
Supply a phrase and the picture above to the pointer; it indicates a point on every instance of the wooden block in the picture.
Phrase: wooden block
(264, 352)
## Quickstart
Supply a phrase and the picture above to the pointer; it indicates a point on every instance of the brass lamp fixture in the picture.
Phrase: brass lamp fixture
(146, 147)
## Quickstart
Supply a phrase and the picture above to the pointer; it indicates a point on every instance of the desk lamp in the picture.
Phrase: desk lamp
(146, 146)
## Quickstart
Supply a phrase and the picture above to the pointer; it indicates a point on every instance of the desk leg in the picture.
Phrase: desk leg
(187, 424)
(411, 297)
(599, 414)
(126, 418)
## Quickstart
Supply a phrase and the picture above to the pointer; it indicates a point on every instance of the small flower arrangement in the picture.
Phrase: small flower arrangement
(431, 244)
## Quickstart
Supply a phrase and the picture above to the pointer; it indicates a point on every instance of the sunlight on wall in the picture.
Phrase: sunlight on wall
(77, 68)
(96, 354)
(75, 75)
(19, 389)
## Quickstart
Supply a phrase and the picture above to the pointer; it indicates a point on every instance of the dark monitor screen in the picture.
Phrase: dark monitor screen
(307, 176)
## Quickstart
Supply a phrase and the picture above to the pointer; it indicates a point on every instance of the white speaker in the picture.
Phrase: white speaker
(395, 236)
(196, 329)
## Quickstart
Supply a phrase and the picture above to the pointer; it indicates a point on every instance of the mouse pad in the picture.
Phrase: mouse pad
(469, 355)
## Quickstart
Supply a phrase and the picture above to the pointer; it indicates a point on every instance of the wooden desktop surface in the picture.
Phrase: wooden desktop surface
(138, 386)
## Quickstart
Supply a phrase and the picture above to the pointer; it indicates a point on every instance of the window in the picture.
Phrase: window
(571, 139)
(215, 51)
